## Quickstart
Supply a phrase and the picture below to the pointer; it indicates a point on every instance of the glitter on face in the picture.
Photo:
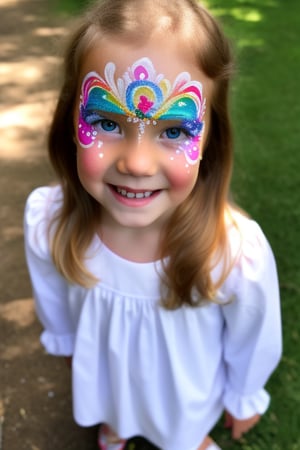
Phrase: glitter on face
(144, 97)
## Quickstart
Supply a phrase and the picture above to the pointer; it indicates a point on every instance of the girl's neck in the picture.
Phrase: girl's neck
(134, 244)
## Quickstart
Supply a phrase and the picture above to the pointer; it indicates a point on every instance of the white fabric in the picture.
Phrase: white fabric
(165, 375)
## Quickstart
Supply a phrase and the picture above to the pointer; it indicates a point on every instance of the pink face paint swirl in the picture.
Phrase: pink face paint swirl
(143, 96)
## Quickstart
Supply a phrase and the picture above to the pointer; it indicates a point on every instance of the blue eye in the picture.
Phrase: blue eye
(173, 133)
(100, 123)
(186, 129)
(108, 125)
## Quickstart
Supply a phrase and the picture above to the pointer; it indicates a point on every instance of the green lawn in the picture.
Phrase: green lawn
(266, 117)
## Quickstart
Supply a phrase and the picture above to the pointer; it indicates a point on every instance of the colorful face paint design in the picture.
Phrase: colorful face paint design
(144, 97)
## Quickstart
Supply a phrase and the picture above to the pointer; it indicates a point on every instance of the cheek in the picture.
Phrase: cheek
(181, 174)
(90, 162)
(183, 165)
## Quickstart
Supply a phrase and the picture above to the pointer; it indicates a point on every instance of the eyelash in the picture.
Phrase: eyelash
(98, 122)
(180, 130)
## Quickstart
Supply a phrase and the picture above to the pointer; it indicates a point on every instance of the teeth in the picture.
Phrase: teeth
(138, 195)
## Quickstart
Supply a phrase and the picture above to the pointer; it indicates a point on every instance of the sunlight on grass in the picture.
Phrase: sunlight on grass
(248, 15)
(241, 43)
(244, 14)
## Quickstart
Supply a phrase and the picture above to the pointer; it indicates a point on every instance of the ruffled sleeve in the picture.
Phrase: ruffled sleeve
(252, 335)
(50, 290)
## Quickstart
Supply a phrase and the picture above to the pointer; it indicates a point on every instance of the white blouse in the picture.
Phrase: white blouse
(144, 370)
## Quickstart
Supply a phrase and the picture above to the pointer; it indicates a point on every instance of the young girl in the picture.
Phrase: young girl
(164, 294)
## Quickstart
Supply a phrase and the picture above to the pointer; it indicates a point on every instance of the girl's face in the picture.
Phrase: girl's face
(140, 126)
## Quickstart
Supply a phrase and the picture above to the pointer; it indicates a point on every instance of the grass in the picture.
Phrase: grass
(266, 118)
(69, 6)
(266, 112)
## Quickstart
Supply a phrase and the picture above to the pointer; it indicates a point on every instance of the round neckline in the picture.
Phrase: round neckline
(97, 242)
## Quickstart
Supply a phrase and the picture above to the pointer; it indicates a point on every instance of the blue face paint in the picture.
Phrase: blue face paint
(144, 97)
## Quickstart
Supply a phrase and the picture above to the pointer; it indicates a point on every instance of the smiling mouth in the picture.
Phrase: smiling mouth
(132, 194)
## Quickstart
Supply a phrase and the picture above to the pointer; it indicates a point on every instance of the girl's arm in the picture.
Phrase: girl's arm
(252, 335)
(50, 290)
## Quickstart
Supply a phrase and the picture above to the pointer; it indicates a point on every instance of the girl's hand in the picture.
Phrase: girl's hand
(240, 427)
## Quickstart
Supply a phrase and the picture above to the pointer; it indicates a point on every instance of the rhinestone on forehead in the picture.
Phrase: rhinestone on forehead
(143, 96)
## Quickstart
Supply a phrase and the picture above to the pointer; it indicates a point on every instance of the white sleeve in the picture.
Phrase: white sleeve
(252, 335)
(50, 290)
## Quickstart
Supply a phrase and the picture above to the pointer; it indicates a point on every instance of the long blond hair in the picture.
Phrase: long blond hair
(195, 238)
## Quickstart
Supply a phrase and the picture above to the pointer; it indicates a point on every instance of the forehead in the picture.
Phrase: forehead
(168, 56)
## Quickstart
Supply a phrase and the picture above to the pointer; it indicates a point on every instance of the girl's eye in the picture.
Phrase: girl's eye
(101, 124)
(108, 125)
(173, 133)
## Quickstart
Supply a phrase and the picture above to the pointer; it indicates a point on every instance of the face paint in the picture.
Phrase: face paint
(191, 149)
(144, 97)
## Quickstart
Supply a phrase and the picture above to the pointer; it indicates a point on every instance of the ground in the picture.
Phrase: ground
(35, 400)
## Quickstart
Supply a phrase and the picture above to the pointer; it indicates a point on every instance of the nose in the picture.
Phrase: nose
(138, 158)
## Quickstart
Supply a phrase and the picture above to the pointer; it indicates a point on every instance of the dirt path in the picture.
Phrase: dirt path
(35, 402)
